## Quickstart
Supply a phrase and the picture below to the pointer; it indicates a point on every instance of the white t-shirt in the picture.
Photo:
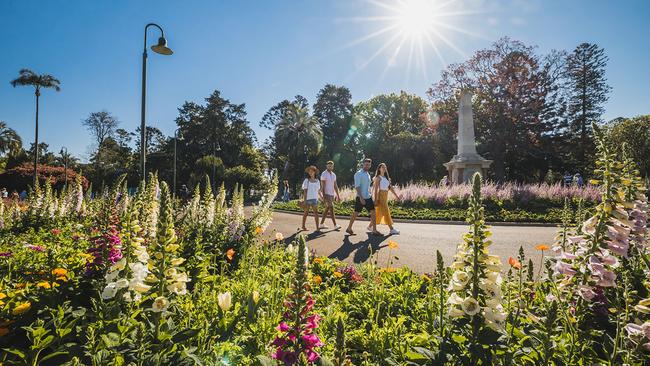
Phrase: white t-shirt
(312, 188)
(384, 183)
(329, 178)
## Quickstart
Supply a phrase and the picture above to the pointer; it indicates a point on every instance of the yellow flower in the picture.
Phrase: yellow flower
(22, 308)
(542, 247)
(44, 284)
(338, 274)
(2, 296)
(59, 272)
(258, 230)
(318, 279)
(318, 260)
(392, 244)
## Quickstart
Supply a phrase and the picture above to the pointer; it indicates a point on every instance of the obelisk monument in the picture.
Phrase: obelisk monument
(466, 162)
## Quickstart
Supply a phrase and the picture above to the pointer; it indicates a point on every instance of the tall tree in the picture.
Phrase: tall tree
(585, 70)
(276, 114)
(394, 130)
(220, 129)
(635, 132)
(27, 77)
(300, 135)
(10, 142)
(514, 113)
(335, 113)
(101, 125)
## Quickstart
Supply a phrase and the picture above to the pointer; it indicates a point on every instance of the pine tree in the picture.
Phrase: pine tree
(585, 70)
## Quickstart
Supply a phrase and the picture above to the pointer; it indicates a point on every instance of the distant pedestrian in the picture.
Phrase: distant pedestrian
(577, 180)
(381, 185)
(364, 197)
(23, 195)
(330, 194)
(311, 192)
(4, 193)
(286, 194)
(184, 193)
(444, 181)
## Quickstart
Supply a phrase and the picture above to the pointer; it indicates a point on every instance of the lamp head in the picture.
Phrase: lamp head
(161, 47)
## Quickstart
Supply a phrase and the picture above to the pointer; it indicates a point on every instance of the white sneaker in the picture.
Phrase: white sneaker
(337, 227)
(394, 232)
(323, 227)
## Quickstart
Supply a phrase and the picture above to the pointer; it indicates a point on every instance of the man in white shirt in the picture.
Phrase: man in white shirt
(330, 193)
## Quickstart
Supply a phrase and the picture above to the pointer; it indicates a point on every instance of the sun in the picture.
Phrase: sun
(411, 31)
(415, 17)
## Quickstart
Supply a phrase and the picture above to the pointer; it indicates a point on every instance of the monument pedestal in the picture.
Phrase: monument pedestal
(463, 165)
(461, 169)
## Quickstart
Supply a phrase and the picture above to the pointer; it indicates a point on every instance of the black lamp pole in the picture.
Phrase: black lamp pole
(162, 49)
(175, 156)
(64, 153)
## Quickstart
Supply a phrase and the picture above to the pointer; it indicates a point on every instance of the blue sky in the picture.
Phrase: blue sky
(260, 52)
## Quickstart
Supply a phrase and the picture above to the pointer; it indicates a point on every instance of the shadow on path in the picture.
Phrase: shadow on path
(361, 249)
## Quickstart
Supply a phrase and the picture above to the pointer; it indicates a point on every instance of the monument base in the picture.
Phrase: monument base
(461, 168)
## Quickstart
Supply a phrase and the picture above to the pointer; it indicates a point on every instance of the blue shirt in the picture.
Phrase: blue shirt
(362, 181)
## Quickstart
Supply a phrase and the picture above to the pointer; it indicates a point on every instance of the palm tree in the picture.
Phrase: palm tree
(29, 78)
(299, 133)
(10, 142)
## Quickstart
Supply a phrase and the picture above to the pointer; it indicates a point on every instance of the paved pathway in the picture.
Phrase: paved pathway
(417, 242)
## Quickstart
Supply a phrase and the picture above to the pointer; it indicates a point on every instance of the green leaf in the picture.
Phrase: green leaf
(184, 335)
(54, 354)
(265, 361)
(14, 351)
(324, 362)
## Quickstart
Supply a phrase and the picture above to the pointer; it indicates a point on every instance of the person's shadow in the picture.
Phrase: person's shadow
(311, 236)
(362, 250)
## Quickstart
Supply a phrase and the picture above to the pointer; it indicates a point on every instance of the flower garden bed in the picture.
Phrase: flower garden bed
(122, 280)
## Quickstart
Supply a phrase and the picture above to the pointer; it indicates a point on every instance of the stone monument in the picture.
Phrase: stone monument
(466, 162)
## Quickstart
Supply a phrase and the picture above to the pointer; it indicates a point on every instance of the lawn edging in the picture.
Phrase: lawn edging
(435, 222)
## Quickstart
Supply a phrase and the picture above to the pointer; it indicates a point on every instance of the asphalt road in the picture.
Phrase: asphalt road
(417, 242)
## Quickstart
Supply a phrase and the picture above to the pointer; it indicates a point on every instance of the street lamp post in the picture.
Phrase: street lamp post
(64, 154)
(175, 157)
(162, 49)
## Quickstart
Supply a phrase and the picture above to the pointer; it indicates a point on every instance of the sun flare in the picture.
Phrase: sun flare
(411, 31)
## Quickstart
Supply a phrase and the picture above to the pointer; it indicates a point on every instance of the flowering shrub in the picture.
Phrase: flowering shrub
(200, 283)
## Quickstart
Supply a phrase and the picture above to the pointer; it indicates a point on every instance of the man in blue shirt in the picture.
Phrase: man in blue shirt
(364, 197)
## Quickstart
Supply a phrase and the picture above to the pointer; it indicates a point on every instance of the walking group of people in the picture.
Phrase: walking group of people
(371, 195)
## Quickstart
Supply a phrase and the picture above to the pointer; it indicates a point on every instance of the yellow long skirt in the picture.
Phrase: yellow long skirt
(382, 212)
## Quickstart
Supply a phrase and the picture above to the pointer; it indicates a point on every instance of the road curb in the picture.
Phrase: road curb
(437, 222)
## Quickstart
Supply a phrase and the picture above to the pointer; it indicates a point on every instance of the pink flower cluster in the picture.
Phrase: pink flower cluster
(600, 260)
(490, 191)
(106, 247)
(639, 217)
(36, 248)
(297, 339)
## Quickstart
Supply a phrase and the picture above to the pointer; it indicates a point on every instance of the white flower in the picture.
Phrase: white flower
(139, 286)
(160, 304)
(224, 300)
(120, 265)
(121, 283)
(279, 236)
(171, 272)
(109, 291)
(181, 277)
(177, 288)
(454, 299)
(111, 275)
(142, 255)
(455, 312)
(496, 314)
(470, 306)
(491, 289)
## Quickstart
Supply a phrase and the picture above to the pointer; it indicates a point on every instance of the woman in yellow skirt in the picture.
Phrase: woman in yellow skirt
(380, 187)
